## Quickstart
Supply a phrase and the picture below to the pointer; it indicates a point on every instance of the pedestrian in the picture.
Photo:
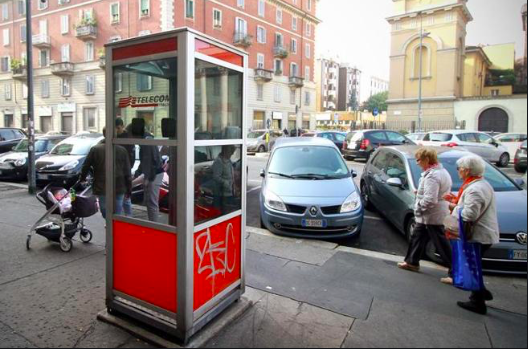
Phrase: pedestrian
(430, 211)
(122, 133)
(476, 200)
(224, 177)
(95, 162)
(285, 133)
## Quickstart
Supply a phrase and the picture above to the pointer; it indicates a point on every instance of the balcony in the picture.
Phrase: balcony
(296, 82)
(41, 41)
(19, 73)
(62, 69)
(280, 52)
(242, 40)
(86, 32)
(263, 75)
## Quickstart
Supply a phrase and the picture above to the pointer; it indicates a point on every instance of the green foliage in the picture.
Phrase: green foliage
(499, 77)
(404, 132)
(87, 22)
(377, 101)
(16, 64)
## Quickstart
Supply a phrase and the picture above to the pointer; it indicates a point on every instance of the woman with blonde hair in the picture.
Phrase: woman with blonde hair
(430, 211)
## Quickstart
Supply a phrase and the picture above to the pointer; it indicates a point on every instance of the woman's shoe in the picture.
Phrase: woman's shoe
(447, 281)
(409, 267)
(481, 309)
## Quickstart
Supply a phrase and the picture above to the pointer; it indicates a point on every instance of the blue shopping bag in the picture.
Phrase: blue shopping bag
(467, 262)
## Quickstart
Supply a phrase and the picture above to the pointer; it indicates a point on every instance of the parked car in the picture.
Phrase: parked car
(338, 138)
(62, 166)
(391, 177)
(14, 164)
(520, 159)
(309, 192)
(512, 141)
(363, 143)
(9, 138)
(478, 143)
(256, 140)
(416, 137)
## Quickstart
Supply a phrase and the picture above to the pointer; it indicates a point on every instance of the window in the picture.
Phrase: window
(262, 8)
(307, 74)
(62, 2)
(114, 13)
(293, 47)
(42, 4)
(144, 82)
(278, 67)
(308, 51)
(44, 58)
(277, 94)
(7, 91)
(309, 5)
(260, 61)
(144, 32)
(294, 23)
(89, 118)
(189, 9)
(308, 29)
(449, 17)
(293, 69)
(4, 64)
(44, 88)
(23, 33)
(241, 26)
(307, 98)
(279, 40)
(396, 137)
(260, 92)
(240, 3)
(65, 24)
(6, 37)
(468, 137)
(495, 93)
(144, 8)
(217, 18)
(261, 35)
(89, 51)
(90, 85)
(21, 7)
(293, 96)
(65, 87)
(5, 11)
(279, 16)
(484, 138)
(65, 53)
(426, 68)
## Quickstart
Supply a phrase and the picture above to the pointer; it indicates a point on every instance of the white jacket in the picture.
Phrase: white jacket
(430, 208)
(475, 199)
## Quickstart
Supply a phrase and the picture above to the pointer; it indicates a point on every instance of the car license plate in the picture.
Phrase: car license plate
(314, 223)
(44, 177)
(518, 255)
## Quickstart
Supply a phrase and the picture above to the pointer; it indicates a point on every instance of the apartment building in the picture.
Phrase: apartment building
(378, 85)
(69, 36)
(327, 80)
(349, 97)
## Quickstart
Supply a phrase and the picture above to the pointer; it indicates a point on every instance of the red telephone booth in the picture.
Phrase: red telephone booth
(176, 104)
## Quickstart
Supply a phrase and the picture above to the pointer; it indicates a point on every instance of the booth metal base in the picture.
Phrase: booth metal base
(151, 335)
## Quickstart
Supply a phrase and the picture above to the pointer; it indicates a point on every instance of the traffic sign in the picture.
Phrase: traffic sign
(375, 112)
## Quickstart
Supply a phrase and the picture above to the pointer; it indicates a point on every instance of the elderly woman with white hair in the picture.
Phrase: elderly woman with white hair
(476, 200)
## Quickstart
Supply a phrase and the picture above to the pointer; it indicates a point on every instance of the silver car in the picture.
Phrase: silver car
(309, 192)
(256, 140)
(478, 143)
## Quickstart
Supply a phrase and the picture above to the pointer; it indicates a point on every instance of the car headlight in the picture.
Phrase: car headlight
(274, 202)
(20, 162)
(70, 166)
(352, 203)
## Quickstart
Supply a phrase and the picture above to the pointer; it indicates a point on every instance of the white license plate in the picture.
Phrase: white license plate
(44, 177)
(519, 255)
(314, 223)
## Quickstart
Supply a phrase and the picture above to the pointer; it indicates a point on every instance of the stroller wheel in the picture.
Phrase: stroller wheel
(66, 244)
(86, 236)
(28, 243)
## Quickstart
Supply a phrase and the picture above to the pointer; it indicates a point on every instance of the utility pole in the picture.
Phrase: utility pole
(420, 78)
(32, 181)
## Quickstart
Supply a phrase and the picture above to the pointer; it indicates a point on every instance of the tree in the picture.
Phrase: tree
(378, 101)
(353, 102)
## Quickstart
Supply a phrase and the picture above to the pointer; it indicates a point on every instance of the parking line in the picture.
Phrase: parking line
(372, 218)
(253, 189)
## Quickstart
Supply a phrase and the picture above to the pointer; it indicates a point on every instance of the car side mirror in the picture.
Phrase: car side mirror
(263, 173)
(395, 182)
(354, 173)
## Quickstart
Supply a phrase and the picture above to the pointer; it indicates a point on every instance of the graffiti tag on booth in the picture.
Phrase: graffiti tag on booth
(217, 260)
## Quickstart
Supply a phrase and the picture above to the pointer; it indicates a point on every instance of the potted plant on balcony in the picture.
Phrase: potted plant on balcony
(17, 65)
(87, 22)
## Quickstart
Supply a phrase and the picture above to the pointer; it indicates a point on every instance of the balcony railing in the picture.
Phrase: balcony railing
(86, 32)
(296, 82)
(263, 75)
(41, 40)
(280, 52)
(19, 73)
(62, 69)
(243, 39)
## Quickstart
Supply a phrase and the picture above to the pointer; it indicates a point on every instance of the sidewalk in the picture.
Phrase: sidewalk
(305, 294)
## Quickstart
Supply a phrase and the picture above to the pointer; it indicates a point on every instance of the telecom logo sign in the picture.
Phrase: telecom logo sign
(144, 102)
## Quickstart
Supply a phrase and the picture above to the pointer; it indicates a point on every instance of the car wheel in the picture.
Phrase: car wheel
(365, 197)
(409, 229)
(504, 160)
(432, 255)
(520, 169)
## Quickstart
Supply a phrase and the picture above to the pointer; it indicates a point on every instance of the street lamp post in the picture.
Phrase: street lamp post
(32, 186)
(420, 76)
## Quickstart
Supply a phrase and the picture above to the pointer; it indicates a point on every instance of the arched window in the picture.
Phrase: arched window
(426, 62)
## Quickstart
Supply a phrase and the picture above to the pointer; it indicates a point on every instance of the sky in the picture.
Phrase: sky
(363, 34)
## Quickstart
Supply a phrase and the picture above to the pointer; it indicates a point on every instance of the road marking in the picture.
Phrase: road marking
(374, 218)
(254, 189)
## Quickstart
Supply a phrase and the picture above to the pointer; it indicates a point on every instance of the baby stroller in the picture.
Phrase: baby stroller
(65, 216)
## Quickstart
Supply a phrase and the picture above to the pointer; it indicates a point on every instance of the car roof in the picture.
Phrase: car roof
(303, 141)
(53, 137)
(456, 132)
(409, 151)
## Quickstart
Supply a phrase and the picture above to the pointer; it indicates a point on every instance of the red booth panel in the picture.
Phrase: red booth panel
(219, 53)
(145, 264)
(217, 260)
(149, 48)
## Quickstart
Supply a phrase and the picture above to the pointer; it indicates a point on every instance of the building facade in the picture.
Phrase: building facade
(69, 36)
(349, 96)
(378, 85)
(327, 80)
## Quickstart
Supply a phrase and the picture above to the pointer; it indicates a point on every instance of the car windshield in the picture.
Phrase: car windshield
(308, 162)
(74, 147)
(496, 178)
(439, 137)
(40, 146)
(253, 135)
(416, 137)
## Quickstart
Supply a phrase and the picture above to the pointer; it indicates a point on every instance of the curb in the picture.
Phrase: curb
(197, 341)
